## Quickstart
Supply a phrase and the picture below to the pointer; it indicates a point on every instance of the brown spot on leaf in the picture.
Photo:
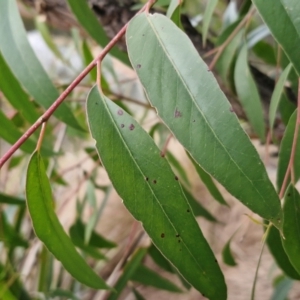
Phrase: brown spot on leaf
(162, 235)
(177, 235)
(120, 112)
(177, 113)
(154, 181)
(131, 127)
(231, 109)
(146, 178)
(176, 178)
(138, 66)
(122, 125)
(188, 210)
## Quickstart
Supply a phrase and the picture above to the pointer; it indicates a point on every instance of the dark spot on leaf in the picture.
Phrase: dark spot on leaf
(162, 235)
(289, 194)
(176, 178)
(231, 109)
(131, 126)
(203, 295)
(120, 112)
(122, 125)
(179, 241)
(162, 154)
(177, 235)
(177, 113)
(138, 66)
(194, 121)
(146, 178)
(216, 261)
(188, 210)
(154, 181)
(96, 103)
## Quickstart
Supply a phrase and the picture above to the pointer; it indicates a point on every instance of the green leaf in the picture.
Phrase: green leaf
(88, 57)
(8, 199)
(5, 293)
(282, 260)
(148, 187)
(148, 277)
(173, 12)
(209, 10)
(248, 93)
(197, 208)
(291, 226)
(266, 52)
(137, 295)
(159, 259)
(283, 22)
(14, 93)
(285, 152)
(207, 180)
(48, 229)
(276, 96)
(90, 23)
(176, 166)
(197, 111)
(128, 271)
(227, 255)
(25, 66)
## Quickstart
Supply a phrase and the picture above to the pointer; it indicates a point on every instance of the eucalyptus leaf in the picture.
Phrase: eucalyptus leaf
(151, 192)
(188, 99)
(208, 13)
(48, 229)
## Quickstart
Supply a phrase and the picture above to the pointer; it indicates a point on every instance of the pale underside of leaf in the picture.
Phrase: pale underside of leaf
(189, 100)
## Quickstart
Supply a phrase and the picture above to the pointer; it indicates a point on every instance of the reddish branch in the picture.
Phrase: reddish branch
(49, 112)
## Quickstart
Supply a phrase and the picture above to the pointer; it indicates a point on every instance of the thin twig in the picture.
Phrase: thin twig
(290, 168)
(49, 112)
(230, 38)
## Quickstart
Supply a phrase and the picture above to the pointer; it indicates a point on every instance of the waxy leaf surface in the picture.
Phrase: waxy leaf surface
(152, 193)
(189, 100)
(48, 228)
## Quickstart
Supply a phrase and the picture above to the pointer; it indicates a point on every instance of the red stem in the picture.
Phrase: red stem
(48, 113)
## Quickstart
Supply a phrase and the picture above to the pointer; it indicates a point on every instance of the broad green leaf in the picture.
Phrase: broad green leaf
(282, 260)
(276, 96)
(248, 93)
(226, 59)
(90, 23)
(189, 100)
(23, 63)
(285, 152)
(209, 10)
(159, 259)
(282, 18)
(146, 276)
(8, 199)
(282, 289)
(291, 226)
(207, 180)
(48, 229)
(14, 93)
(197, 208)
(227, 255)
(10, 133)
(148, 187)
(128, 271)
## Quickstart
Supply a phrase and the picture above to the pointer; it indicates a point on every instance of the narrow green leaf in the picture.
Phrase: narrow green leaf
(23, 63)
(159, 259)
(286, 108)
(276, 96)
(137, 295)
(48, 229)
(248, 93)
(291, 226)
(227, 255)
(90, 23)
(282, 289)
(266, 52)
(128, 271)
(197, 111)
(197, 208)
(209, 10)
(225, 61)
(173, 12)
(207, 180)
(88, 57)
(8, 199)
(177, 167)
(285, 152)
(5, 293)
(14, 93)
(148, 188)
(282, 260)
(283, 22)
(146, 276)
